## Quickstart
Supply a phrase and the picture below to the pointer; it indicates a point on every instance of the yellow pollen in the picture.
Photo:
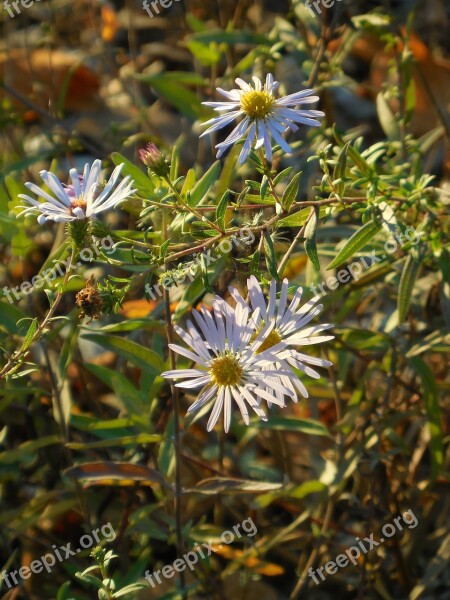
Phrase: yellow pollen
(271, 340)
(78, 204)
(225, 370)
(257, 105)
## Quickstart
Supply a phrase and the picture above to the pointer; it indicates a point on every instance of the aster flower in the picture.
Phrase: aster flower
(265, 116)
(231, 368)
(280, 323)
(82, 199)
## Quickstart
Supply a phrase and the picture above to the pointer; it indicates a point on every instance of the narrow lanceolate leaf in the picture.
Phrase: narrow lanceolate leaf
(230, 485)
(205, 184)
(283, 175)
(308, 426)
(264, 187)
(115, 473)
(221, 210)
(29, 335)
(433, 413)
(360, 162)
(310, 235)
(163, 249)
(299, 218)
(407, 281)
(444, 261)
(269, 251)
(138, 355)
(387, 118)
(358, 240)
(339, 170)
(143, 184)
(291, 192)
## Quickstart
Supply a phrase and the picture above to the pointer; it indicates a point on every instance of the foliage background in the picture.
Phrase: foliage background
(90, 80)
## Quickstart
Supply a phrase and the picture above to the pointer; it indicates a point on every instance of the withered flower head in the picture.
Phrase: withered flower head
(89, 300)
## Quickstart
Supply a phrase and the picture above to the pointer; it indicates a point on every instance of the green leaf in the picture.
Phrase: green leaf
(308, 426)
(298, 219)
(143, 358)
(10, 315)
(142, 182)
(204, 185)
(229, 37)
(28, 449)
(306, 488)
(177, 77)
(340, 169)
(175, 160)
(207, 54)
(229, 485)
(68, 349)
(387, 119)
(221, 210)
(189, 182)
(269, 252)
(444, 262)
(64, 592)
(433, 413)
(130, 397)
(182, 98)
(407, 281)
(90, 579)
(29, 335)
(133, 587)
(263, 187)
(358, 240)
(363, 339)
(360, 162)
(291, 192)
(133, 324)
(282, 175)
(127, 441)
(310, 241)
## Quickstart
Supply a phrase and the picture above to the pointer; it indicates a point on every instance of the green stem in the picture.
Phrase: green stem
(191, 209)
(13, 363)
(176, 420)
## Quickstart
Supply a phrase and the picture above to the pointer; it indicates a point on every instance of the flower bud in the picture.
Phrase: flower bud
(155, 160)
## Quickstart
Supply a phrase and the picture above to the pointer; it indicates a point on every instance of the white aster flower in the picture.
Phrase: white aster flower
(280, 323)
(231, 367)
(82, 199)
(265, 116)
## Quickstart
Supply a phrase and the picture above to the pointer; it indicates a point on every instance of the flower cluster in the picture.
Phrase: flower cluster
(247, 353)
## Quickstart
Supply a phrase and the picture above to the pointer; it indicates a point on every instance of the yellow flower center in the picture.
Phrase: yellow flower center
(225, 370)
(78, 203)
(271, 340)
(257, 105)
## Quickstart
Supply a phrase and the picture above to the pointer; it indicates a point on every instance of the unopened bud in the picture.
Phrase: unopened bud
(155, 160)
